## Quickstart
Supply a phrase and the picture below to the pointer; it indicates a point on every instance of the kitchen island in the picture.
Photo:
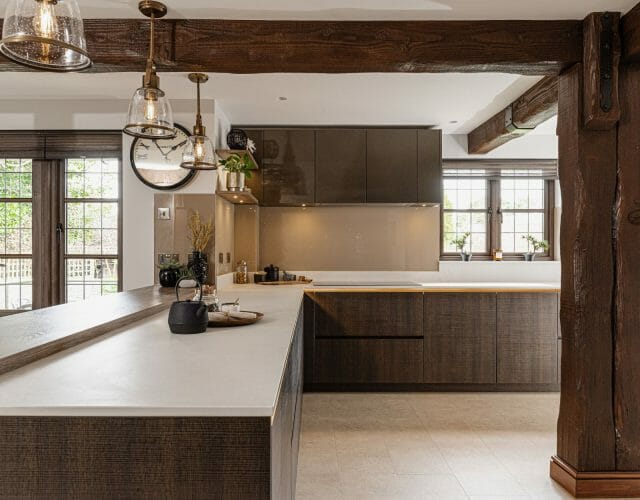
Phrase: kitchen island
(139, 412)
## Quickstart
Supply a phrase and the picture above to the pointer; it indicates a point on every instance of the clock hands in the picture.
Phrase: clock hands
(171, 149)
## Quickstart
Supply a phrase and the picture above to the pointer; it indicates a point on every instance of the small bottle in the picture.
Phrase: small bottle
(497, 255)
(242, 273)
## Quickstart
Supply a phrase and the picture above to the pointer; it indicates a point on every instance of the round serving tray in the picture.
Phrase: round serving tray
(236, 321)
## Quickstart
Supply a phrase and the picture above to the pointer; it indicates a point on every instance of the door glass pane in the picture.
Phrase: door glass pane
(91, 208)
(16, 221)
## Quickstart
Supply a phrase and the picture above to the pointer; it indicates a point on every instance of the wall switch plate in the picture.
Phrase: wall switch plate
(221, 258)
(164, 214)
(228, 257)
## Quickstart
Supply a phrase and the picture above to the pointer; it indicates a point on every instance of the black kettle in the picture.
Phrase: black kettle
(188, 316)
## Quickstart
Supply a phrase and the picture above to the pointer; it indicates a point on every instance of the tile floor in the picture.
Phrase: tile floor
(427, 446)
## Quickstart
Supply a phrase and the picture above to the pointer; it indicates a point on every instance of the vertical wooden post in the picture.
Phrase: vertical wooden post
(587, 161)
(599, 423)
(627, 255)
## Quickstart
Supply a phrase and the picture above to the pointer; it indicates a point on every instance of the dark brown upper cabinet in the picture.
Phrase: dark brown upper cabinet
(341, 166)
(392, 166)
(288, 162)
(255, 183)
(429, 166)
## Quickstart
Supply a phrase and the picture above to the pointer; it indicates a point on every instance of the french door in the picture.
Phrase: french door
(60, 218)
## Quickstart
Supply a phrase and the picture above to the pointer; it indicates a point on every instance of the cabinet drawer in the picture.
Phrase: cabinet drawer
(368, 361)
(368, 314)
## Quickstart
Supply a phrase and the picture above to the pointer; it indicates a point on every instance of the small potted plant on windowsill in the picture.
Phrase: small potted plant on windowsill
(461, 243)
(534, 244)
(238, 168)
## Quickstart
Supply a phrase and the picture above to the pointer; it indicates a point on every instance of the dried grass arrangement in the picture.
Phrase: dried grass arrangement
(201, 232)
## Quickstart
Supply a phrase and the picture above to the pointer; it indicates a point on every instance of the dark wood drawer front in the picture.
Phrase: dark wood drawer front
(368, 361)
(460, 338)
(527, 338)
(368, 314)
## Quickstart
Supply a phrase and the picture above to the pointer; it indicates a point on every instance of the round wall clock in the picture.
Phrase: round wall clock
(156, 162)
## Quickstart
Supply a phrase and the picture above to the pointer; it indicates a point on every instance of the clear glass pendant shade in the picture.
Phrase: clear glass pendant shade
(199, 154)
(150, 115)
(45, 34)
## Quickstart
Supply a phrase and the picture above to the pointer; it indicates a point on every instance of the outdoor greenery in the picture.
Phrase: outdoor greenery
(92, 227)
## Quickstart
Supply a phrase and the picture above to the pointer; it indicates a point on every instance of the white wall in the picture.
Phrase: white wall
(138, 259)
(528, 147)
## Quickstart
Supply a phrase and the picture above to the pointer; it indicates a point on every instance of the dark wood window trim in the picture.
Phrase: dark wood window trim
(49, 151)
(495, 213)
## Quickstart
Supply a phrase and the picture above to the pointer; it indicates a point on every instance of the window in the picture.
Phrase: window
(60, 191)
(16, 208)
(497, 203)
(92, 222)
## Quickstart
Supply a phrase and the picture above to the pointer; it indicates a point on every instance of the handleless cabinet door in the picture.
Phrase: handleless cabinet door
(255, 183)
(392, 166)
(288, 159)
(460, 338)
(429, 166)
(527, 338)
(341, 156)
(376, 314)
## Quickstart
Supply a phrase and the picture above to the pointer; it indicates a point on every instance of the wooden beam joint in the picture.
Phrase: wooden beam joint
(534, 107)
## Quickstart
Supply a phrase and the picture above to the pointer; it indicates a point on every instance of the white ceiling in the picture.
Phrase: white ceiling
(360, 9)
(312, 99)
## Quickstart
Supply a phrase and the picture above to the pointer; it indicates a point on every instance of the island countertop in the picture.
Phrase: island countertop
(144, 370)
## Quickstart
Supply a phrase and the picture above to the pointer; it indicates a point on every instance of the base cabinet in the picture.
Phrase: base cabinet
(460, 338)
(432, 341)
(368, 361)
(527, 338)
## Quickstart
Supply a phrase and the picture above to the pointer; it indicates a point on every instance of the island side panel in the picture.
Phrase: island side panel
(285, 431)
(128, 457)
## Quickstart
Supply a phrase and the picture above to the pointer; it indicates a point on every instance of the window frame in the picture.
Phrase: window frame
(495, 214)
(64, 200)
(48, 151)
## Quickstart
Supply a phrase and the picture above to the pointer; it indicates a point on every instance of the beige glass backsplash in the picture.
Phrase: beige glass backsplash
(358, 238)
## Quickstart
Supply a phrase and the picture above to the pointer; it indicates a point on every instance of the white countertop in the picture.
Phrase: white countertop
(144, 370)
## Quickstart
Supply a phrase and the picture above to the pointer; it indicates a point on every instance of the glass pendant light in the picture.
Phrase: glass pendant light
(150, 115)
(45, 34)
(199, 153)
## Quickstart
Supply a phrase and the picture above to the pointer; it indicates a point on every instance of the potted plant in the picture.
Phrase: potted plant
(200, 234)
(535, 244)
(238, 168)
(460, 244)
(170, 273)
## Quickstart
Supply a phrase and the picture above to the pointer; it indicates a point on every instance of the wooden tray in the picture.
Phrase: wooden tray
(294, 282)
(236, 322)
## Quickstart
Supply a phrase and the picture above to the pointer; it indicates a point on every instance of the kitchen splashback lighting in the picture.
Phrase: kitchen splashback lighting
(45, 34)
(150, 115)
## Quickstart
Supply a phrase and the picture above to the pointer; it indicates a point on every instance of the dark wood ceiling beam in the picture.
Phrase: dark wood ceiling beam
(228, 46)
(534, 107)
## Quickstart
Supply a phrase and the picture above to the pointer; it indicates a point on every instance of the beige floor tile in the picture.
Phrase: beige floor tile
(424, 446)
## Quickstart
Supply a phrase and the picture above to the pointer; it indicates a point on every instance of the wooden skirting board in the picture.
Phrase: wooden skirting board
(595, 484)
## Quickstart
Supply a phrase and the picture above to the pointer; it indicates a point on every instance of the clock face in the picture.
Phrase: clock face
(156, 162)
